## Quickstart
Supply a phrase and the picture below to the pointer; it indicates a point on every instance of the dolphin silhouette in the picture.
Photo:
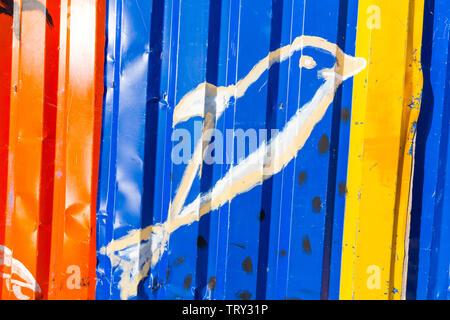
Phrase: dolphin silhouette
(269, 159)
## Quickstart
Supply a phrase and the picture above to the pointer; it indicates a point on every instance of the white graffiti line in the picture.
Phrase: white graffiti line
(269, 159)
(207, 97)
(16, 268)
(191, 171)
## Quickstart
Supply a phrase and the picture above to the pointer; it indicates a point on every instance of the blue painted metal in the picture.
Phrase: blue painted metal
(127, 99)
(269, 243)
(429, 259)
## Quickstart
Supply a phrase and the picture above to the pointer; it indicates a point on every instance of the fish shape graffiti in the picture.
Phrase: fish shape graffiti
(141, 249)
(7, 7)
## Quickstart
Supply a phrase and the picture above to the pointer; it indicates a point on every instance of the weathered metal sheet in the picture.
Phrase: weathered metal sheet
(51, 93)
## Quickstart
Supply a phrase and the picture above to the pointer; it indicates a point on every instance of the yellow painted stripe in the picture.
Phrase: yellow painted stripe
(386, 103)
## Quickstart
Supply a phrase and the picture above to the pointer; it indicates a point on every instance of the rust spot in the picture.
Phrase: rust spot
(324, 144)
(247, 265)
(283, 253)
(317, 205)
(306, 244)
(187, 282)
(345, 114)
(302, 178)
(212, 283)
(244, 295)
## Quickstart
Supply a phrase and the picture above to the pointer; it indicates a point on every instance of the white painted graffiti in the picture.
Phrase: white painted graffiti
(209, 102)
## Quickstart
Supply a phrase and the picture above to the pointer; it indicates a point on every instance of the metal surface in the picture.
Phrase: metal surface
(52, 65)
(282, 237)
(113, 112)
(428, 274)
(386, 104)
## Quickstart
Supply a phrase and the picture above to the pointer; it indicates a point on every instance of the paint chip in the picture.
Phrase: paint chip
(317, 205)
(324, 144)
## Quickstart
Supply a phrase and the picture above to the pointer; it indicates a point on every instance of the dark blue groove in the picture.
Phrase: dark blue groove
(333, 166)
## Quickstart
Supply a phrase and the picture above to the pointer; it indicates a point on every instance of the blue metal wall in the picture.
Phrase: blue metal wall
(428, 276)
(355, 204)
(282, 239)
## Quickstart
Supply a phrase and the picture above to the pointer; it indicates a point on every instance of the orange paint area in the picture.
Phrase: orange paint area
(51, 66)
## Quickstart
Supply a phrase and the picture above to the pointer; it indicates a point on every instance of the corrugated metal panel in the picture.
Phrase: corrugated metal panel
(386, 106)
(318, 209)
(236, 231)
(428, 276)
(51, 91)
